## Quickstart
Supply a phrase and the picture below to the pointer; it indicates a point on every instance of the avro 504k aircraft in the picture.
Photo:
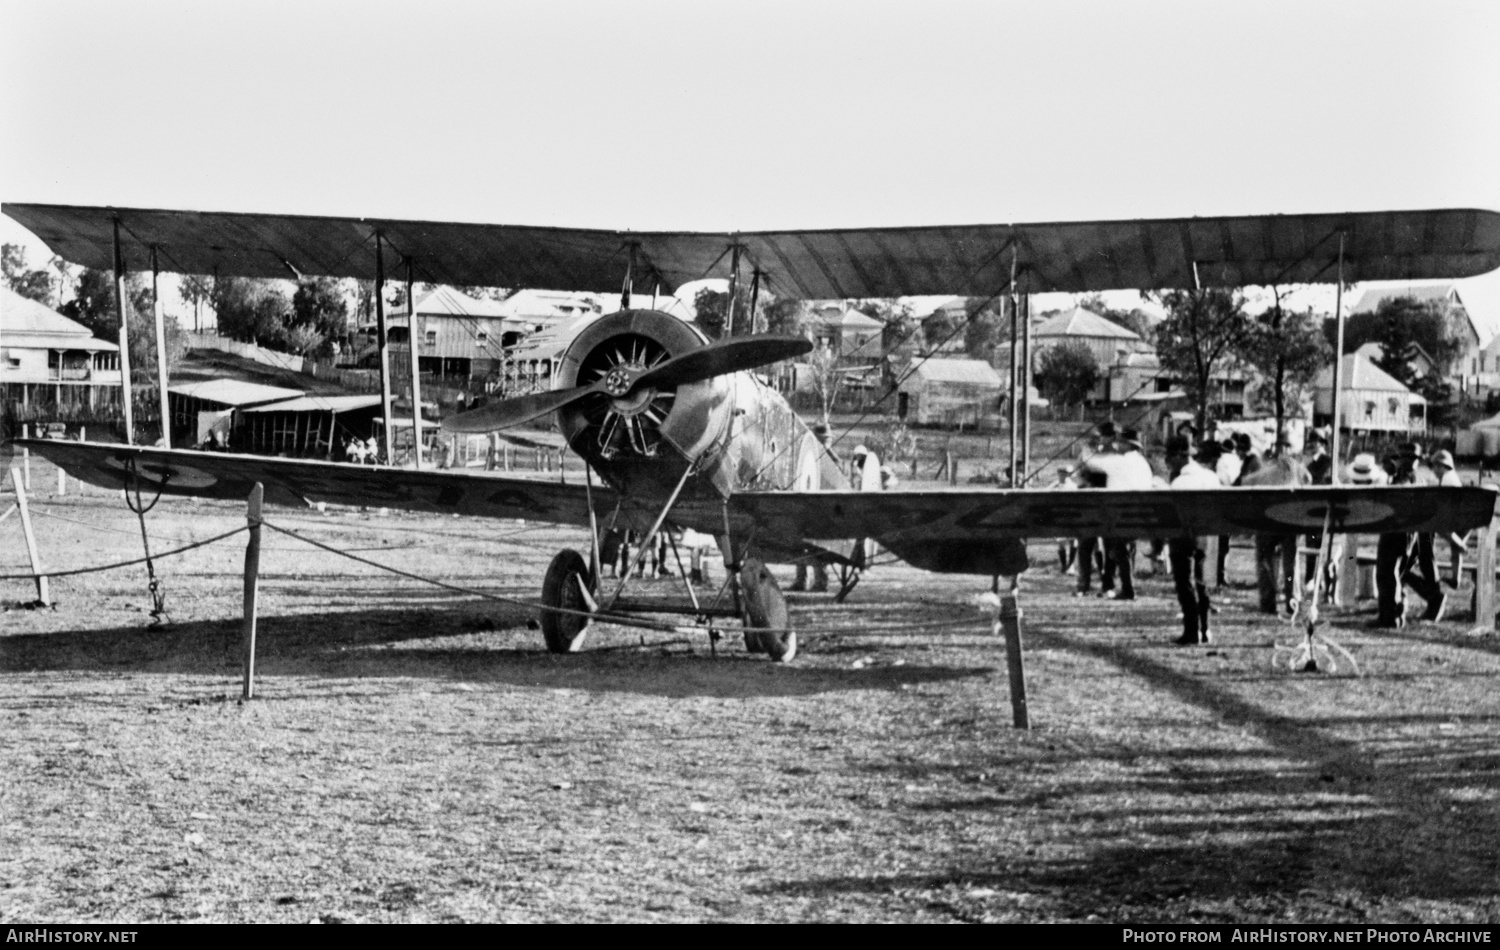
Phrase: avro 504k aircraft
(680, 432)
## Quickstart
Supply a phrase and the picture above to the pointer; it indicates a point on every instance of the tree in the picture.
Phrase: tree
(937, 328)
(197, 290)
(1066, 373)
(142, 330)
(1288, 350)
(784, 317)
(827, 377)
(983, 332)
(1435, 388)
(320, 310)
(364, 302)
(304, 340)
(900, 326)
(479, 292)
(1399, 322)
(64, 278)
(1203, 331)
(712, 312)
(32, 284)
(93, 306)
(893, 442)
(251, 310)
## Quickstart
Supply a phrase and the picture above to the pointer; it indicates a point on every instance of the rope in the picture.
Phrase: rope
(486, 595)
(158, 596)
(624, 620)
(111, 567)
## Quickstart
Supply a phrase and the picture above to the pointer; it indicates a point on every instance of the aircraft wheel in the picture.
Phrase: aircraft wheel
(766, 617)
(562, 586)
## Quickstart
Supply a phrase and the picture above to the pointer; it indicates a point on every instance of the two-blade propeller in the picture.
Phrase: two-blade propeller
(716, 359)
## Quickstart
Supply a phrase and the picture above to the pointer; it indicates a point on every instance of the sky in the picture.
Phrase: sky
(709, 115)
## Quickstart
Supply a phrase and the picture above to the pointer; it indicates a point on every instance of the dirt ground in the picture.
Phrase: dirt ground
(415, 755)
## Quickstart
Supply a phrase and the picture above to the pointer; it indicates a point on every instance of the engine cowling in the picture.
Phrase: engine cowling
(650, 426)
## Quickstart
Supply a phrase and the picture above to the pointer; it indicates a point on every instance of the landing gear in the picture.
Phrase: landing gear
(766, 619)
(848, 577)
(569, 585)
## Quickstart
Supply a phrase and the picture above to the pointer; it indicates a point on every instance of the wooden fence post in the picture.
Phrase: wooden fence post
(18, 480)
(1484, 576)
(1346, 588)
(1008, 622)
(252, 587)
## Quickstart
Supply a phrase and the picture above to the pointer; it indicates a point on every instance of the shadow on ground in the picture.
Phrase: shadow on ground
(1304, 825)
(489, 643)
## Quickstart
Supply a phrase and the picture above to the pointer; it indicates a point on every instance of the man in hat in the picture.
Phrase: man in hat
(857, 465)
(1187, 553)
(1101, 443)
(1276, 554)
(1421, 573)
(819, 569)
(1067, 548)
(1400, 556)
(1315, 456)
(1228, 469)
(1134, 473)
(1320, 469)
(1125, 468)
(1447, 476)
(1364, 470)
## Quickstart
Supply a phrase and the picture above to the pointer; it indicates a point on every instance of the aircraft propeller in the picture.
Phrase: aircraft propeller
(716, 359)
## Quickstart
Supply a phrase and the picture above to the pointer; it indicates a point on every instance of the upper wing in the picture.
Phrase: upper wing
(300, 482)
(855, 262)
(897, 518)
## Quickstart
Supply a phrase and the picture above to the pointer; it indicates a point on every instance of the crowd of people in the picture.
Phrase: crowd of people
(1115, 458)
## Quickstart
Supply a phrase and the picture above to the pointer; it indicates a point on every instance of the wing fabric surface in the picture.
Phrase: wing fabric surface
(299, 482)
(931, 529)
(901, 517)
(973, 260)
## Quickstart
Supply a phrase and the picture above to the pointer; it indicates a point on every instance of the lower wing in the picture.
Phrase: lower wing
(301, 482)
(977, 531)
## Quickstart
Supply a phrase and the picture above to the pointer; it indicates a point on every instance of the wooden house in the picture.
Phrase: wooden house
(951, 392)
(1372, 400)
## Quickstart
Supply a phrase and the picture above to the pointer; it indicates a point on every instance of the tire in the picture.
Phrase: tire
(766, 617)
(564, 632)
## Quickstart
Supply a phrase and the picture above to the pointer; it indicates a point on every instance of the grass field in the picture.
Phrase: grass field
(415, 755)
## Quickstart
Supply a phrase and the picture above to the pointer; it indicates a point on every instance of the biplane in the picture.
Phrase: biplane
(681, 433)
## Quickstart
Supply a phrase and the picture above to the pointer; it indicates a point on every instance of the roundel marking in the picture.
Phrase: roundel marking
(175, 474)
(1355, 513)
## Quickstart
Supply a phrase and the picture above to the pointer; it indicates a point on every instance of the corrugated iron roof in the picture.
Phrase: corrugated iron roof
(1079, 322)
(968, 260)
(849, 319)
(234, 392)
(32, 341)
(447, 302)
(1370, 300)
(973, 372)
(22, 317)
(1359, 373)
